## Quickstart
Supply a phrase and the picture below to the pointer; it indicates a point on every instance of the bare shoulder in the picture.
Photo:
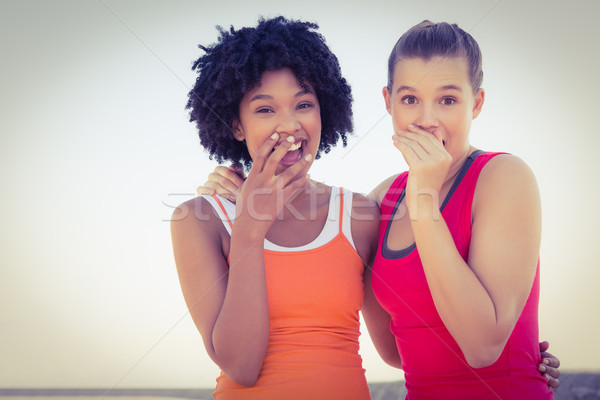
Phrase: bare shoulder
(365, 225)
(506, 179)
(195, 222)
(196, 212)
(380, 190)
(364, 209)
(200, 248)
(506, 171)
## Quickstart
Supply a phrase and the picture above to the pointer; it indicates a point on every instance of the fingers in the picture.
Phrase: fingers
(223, 181)
(411, 150)
(550, 360)
(554, 383)
(548, 369)
(417, 144)
(549, 366)
(428, 143)
(551, 374)
(205, 190)
(277, 154)
(292, 172)
(264, 153)
(228, 192)
(227, 178)
(270, 163)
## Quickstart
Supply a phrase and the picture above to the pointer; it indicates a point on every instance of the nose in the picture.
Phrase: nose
(288, 124)
(427, 118)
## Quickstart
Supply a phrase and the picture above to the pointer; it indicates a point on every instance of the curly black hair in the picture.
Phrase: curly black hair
(234, 65)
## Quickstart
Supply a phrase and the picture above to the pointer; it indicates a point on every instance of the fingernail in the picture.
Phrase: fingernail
(547, 362)
(308, 157)
(274, 135)
(411, 126)
(290, 139)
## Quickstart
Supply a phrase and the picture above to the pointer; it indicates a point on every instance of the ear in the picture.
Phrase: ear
(238, 130)
(478, 102)
(388, 99)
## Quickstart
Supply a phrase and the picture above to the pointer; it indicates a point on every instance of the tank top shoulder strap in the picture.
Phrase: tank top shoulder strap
(482, 158)
(341, 216)
(345, 215)
(469, 174)
(393, 194)
(340, 210)
(224, 208)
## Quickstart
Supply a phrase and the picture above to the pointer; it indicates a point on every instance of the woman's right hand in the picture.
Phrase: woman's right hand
(264, 193)
(224, 181)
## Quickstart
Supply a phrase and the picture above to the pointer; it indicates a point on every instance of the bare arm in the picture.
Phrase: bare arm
(365, 229)
(378, 193)
(479, 300)
(229, 303)
(378, 324)
(205, 280)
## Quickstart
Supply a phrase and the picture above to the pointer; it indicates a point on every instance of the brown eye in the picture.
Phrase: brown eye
(264, 110)
(409, 100)
(448, 101)
(303, 106)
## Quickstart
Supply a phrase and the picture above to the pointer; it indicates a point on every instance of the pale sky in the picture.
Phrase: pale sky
(96, 150)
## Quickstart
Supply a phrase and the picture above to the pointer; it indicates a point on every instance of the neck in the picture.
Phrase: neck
(456, 167)
(306, 200)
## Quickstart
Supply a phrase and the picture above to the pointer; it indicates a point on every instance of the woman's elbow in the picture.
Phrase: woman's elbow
(244, 372)
(243, 376)
(394, 363)
(390, 356)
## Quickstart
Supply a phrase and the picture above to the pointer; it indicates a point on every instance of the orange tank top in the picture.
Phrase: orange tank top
(314, 299)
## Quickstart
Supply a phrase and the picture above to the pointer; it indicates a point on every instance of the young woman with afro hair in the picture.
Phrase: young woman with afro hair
(275, 294)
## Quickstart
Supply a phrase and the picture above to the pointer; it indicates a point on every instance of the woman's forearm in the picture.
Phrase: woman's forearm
(241, 332)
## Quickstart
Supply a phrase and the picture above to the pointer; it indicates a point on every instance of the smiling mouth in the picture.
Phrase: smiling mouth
(293, 155)
(295, 146)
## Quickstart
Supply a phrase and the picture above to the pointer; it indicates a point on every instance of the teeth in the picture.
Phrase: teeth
(295, 146)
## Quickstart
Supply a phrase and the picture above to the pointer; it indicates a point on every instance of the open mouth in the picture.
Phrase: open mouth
(295, 146)
(293, 154)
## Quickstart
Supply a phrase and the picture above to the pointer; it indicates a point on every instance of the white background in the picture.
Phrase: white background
(96, 150)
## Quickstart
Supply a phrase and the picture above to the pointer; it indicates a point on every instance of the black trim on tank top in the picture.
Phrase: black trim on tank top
(386, 252)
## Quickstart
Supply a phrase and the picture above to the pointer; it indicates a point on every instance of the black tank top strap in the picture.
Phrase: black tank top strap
(461, 174)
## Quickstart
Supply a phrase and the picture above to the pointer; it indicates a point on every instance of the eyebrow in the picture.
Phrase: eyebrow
(412, 89)
(451, 87)
(407, 88)
(269, 97)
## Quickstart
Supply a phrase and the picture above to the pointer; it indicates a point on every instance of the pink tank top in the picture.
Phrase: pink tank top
(434, 365)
